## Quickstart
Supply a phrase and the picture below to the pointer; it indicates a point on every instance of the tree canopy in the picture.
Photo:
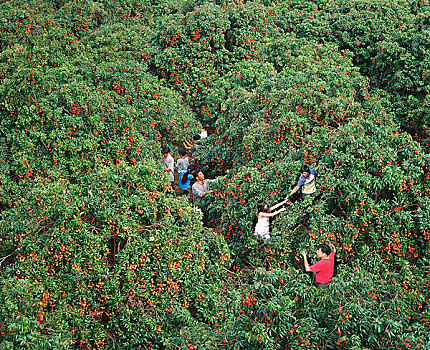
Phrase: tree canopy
(96, 252)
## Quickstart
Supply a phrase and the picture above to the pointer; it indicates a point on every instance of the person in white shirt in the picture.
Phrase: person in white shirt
(183, 161)
(169, 164)
(264, 213)
(203, 133)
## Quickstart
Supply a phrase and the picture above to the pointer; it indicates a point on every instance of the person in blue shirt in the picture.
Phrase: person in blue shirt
(307, 182)
(184, 181)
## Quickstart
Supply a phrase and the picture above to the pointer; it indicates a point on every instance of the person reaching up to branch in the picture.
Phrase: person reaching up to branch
(262, 230)
(323, 268)
(191, 147)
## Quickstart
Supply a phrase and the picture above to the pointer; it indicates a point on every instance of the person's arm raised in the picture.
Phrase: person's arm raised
(186, 146)
(187, 143)
(269, 215)
(333, 247)
(294, 190)
(305, 260)
(279, 204)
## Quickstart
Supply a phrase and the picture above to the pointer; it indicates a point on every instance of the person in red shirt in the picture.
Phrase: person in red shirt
(324, 267)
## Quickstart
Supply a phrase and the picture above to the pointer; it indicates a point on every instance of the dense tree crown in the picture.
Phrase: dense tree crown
(96, 252)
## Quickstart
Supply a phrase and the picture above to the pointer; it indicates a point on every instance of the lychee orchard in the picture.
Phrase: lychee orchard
(237, 175)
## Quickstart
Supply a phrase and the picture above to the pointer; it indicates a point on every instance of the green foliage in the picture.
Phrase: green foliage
(390, 44)
(95, 252)
(110, 247)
